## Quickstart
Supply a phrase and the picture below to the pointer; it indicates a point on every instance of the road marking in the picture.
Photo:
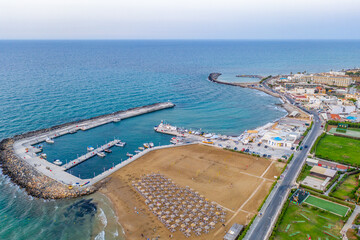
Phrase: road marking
(267, 169)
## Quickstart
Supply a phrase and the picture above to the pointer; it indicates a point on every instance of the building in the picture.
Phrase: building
(234, 232)
(321, 172)
(333, 80)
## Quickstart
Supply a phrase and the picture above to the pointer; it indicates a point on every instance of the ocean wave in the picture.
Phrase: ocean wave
(100, 236)
(103, 218)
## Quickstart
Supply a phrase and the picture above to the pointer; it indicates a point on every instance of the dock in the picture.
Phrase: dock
(89, 155)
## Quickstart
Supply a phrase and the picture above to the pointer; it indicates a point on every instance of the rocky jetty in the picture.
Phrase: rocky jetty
(35, 183)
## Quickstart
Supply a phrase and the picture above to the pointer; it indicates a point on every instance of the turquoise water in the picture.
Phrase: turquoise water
(44, 83)
(228, 77)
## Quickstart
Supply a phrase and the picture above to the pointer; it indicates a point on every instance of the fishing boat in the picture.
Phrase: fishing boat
(108, 150)
(101, 154)
(58, 162)
(137, 151)
(151, 144)
(43, 155)
(49, 140)
(90, 148)
(129, 154)
(120, 144)
(146, 145)
(141, 148)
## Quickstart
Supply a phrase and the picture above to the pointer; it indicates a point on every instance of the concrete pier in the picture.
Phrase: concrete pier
(89, 155)
(47, 180)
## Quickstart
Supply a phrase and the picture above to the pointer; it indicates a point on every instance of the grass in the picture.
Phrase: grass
(318, 222)
(339, 149)
(304, 173)
(344, 190)
(354, 129)
(327, 205)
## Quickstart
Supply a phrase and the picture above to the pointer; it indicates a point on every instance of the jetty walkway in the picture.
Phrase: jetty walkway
(88, 155)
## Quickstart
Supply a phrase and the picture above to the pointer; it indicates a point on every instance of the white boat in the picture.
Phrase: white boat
(146, 145)
(101, 154)
(120, 144)
(73, 131)
(151, 144)
(43, 155)
(117, 120)
(141, 148)
(129, 154)
(90, 148)
(58, 162)
(49, 140)
(137, 151)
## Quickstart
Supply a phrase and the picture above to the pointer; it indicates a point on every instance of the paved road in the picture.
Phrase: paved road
(262, 226)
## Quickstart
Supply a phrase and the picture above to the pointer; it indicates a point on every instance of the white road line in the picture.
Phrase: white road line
(267, 169)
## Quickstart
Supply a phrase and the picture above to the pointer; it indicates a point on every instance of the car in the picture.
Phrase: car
(264, 155)
(301, 148)
(259, 144)
(247, 150)
(292, 148)
(269, 156)
(306, 146)
(266, 146)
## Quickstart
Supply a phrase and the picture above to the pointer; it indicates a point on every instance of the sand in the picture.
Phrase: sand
(238, 182)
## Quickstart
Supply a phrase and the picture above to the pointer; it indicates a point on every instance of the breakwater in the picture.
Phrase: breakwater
(253, 85)
(251, 76)
(43, 179)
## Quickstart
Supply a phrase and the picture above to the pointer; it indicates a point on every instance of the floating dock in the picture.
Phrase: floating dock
(89, 155)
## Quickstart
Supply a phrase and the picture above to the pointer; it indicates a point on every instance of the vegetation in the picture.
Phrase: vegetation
(305, 171)
(242, 235)
(332, 181)
(312, 223)
(350, 124)
(347, 188)
(316, 142)
(339, 149)
(265, 78)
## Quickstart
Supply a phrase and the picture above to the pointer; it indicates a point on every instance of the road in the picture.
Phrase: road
(262, 226)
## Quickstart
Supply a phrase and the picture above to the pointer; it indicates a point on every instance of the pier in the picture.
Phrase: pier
(89, 155)
(44, 179)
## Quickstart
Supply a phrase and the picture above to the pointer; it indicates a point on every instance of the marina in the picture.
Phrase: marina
(25, 149)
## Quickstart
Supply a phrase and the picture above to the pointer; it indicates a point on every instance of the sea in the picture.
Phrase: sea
(45, 83)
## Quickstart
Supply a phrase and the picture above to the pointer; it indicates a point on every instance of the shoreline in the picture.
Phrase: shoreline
(41, 178)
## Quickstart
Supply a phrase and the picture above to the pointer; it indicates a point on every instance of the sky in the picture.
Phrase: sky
(175, 19)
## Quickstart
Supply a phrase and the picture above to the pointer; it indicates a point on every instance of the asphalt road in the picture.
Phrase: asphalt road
(264, 225)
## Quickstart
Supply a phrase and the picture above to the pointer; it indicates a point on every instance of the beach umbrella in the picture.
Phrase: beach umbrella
(212, 223)
(183, 225)
(206, 218)
(193, 225)
(187, 220)
(177, 220)
(173, 226)
(201, 223)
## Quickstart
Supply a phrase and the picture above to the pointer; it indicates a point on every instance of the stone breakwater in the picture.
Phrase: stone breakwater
(34, 182)
(253, 85)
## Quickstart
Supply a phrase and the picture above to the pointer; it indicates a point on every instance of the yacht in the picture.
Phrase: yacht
(137, 151)
(129, 154)
(90, 148)
(49, 140)
(58, 162)
(43, 155)
(146, 145)
(73, 131)
(120, 144)
(141, 148)
(117, 120)
(101, 154)
(151, 144)
(108, 150)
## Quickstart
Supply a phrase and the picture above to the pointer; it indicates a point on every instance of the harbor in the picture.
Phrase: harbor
(23, 161)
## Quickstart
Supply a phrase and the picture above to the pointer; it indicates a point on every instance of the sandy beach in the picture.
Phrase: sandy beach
(237, 182)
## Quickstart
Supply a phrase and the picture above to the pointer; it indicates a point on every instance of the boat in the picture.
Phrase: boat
(107, 150)
(151, 144)
(208, 141)
(146, 145)
(43, 155)
(73, 131)
(117, 120)
(101, 154)
(137, 151)
(58, 162)
(129, 154)
(141, 148)
(120, 144)
(49, 140)
(90, 148)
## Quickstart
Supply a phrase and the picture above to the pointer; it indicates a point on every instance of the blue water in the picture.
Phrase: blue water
(44, 83)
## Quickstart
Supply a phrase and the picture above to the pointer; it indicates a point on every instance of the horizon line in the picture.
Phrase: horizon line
(180, 39)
